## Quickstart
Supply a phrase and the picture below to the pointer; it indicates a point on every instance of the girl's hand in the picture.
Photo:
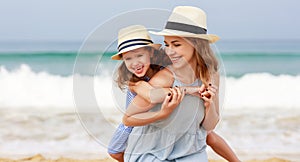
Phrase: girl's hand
(208, 94)
(171, 101)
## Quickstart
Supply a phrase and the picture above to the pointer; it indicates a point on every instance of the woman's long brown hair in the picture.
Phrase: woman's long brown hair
(207, 63)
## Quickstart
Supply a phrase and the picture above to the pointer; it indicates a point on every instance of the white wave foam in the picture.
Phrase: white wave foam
(263, 90)
(24, 88)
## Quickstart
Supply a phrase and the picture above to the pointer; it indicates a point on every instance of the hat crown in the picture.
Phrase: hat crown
(131, 38)
(131, 33)
(189, 15)
(187, 21)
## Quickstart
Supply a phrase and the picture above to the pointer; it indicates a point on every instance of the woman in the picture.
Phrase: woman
(141, 52)
(181, 135)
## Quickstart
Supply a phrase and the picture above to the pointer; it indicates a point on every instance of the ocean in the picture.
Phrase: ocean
(41, 110)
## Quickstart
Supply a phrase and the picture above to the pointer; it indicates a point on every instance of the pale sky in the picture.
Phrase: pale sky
(75, 19)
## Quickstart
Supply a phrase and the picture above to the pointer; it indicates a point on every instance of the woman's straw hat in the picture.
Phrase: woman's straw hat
(187, 21)
(133, 37)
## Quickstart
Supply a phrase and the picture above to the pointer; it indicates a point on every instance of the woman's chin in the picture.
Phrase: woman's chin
(176, 65)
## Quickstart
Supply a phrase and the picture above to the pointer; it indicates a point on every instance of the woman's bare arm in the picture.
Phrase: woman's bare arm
(211, 105)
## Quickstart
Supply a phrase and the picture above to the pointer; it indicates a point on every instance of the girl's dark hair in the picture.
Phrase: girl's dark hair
(159, 60)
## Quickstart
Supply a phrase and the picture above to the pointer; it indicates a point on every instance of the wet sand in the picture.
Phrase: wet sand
(40, 158)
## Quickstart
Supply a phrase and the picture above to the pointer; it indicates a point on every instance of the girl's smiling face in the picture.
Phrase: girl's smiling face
(179, 50)
(137, 61)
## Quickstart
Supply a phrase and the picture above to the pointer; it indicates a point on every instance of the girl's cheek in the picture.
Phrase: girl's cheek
(127, 64)
(149, 61)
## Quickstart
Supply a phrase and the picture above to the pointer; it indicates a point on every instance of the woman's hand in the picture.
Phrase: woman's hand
(171, 101)
(211, 103)
(208, 93)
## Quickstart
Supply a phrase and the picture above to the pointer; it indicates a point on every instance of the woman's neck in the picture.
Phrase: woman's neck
(186, 74)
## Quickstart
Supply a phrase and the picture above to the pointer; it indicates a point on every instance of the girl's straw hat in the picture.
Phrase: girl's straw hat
(187, 21)
(133, 37)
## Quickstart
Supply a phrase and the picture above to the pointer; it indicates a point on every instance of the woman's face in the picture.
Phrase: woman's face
(137, 61)
(179, 50)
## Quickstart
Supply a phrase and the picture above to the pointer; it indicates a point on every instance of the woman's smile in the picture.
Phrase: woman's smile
(175, 59)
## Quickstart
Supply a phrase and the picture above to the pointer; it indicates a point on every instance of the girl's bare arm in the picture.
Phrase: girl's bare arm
(156, 94)
(138, 114)
(148, 92)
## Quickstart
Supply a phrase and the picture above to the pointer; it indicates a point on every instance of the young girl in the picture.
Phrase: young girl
(178, 137)
(137, 52)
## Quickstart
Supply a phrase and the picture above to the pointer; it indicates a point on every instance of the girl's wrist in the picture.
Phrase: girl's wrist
(190, 90)
(163, 114)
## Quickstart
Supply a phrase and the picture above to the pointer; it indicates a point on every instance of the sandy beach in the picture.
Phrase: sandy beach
(40, 158)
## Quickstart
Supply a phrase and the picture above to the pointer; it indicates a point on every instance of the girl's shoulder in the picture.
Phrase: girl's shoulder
(163, 78)
(165, 71)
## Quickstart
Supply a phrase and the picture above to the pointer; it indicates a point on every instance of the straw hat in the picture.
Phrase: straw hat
(133, 37)
(187, 21)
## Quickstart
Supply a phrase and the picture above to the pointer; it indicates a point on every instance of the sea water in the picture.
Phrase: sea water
(38, 81)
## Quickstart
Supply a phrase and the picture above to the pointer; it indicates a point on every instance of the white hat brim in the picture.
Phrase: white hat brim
(168, 32)
(118, 55)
